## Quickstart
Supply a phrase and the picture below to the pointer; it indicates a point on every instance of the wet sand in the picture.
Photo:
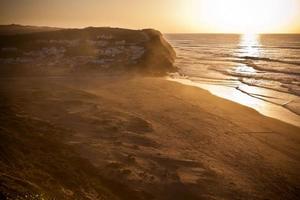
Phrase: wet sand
(276, 107)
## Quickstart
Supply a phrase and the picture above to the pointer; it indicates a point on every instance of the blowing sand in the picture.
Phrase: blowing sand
(164, 140)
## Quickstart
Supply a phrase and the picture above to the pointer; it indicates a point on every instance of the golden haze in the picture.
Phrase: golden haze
(171, 16)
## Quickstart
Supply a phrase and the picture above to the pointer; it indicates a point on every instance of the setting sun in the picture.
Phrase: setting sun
(248, 16)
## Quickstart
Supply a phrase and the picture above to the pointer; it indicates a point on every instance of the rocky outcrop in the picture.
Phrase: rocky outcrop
(86, 50)
(160, 55)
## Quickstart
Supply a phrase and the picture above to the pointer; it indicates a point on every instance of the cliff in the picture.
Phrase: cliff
(73, 51)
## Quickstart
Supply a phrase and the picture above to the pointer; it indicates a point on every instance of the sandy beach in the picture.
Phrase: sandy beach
(156, 138)
(89, 114)
(268, 109)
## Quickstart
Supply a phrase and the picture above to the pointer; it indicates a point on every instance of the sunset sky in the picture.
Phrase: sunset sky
(169, 16)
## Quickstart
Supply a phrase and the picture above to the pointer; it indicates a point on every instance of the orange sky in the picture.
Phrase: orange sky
(168, 16)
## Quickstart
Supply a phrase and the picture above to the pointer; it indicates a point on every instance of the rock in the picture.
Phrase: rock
(85, 51)
(160, 55)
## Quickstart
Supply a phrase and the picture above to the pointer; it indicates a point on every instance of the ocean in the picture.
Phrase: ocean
(259, 71)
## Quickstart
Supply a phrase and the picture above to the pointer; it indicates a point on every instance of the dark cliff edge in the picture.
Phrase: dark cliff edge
(160, 55)
(71, 51)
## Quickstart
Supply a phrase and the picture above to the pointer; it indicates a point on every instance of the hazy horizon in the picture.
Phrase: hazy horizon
(168, 33)
(169, 16)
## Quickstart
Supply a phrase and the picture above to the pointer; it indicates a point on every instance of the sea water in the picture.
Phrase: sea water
(259, 71)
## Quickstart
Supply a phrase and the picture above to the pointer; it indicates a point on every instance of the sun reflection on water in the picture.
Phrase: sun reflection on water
(250, 45)
(244, 69)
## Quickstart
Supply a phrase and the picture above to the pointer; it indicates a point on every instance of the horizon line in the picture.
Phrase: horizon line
(225, 33)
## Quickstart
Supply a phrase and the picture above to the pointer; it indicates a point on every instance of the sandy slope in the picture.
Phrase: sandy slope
(164, 140)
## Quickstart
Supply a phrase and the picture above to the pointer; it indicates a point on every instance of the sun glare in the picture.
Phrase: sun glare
(249, 45)
(248, 16)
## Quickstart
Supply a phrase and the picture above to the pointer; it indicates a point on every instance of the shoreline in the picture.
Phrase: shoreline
(265, 108)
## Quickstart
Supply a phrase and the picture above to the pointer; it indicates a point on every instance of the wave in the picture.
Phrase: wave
(288, 89)
(268, 69)
(269, 59)
(277, 82)
(282, 47)
(270, 47)
(279, 70)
